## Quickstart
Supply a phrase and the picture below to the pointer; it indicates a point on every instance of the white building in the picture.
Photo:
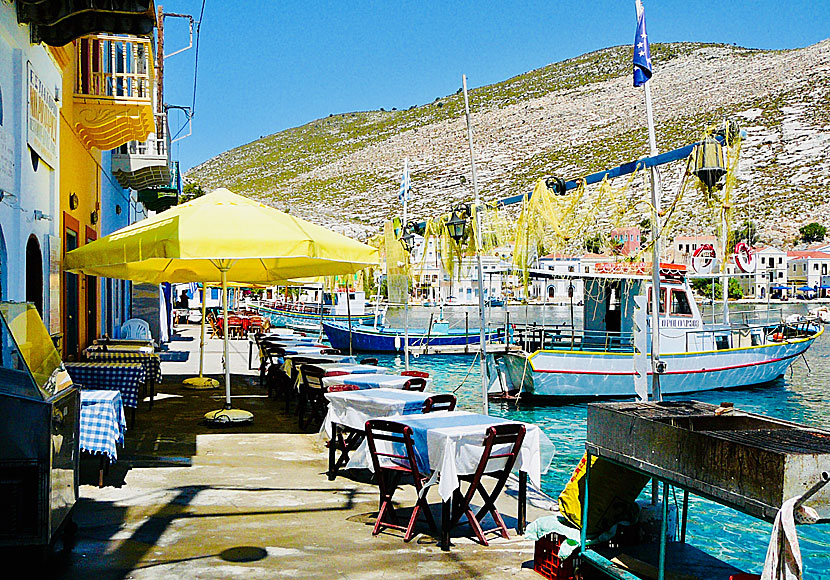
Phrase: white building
(556, 289)
(771, 269)
(30, 218)
(810, 269)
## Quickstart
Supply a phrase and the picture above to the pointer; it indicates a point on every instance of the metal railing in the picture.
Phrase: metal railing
(115, 67)
(156, 145)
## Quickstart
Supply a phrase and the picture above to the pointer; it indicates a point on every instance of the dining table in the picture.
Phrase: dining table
(367, 379)
(149, 360)
(346, 418)
(125, 378)
(449, 444)
(102, 426)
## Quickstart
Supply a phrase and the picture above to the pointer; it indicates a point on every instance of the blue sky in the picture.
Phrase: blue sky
(268, 65)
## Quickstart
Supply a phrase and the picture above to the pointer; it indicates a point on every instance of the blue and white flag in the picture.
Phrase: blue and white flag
(642, 53)
(193, 289)
(404, 193)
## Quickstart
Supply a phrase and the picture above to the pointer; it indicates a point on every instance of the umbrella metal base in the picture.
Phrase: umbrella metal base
(201, 383)
(223, 416)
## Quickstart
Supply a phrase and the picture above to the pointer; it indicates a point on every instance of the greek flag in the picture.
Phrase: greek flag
(404, 193)
(642, 53)
(192, 289)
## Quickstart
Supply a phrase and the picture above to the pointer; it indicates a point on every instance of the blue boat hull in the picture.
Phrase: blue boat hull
(369, 339)
(284, 316)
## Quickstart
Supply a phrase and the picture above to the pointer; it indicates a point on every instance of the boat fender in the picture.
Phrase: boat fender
(744, 257)
(397, 342)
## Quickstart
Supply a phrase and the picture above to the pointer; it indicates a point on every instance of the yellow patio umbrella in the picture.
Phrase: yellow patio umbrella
(218, 238)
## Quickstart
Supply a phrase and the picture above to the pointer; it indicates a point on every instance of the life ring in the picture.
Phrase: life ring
(778, 336)
(745, 257)
(704, 259)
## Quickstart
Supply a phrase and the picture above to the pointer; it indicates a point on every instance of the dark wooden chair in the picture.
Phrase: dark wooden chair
(394, 460)
(501, 449)
(369, 361)
(415, 384)
(440, 402)
(312, 394)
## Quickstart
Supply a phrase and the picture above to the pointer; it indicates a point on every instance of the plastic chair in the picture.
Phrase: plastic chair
(501, 448)
(440, 402)
(421, 374)
(136, 328)
(415, 384)
(395, 460)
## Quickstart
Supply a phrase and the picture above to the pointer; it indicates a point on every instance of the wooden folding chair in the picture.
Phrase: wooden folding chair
(312, 394)
(501, 449)
(440, 402)
(415, 384)
(215, 331)
(343, 439)
(395, 460)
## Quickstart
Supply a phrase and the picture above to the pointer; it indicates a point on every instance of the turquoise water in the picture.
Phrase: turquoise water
(731, 536)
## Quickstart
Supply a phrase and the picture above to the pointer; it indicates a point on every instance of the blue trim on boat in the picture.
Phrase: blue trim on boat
(369, 339)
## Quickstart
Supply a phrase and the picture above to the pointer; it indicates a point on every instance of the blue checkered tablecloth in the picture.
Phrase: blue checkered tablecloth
(126, 378)
(151, 361)
(102, 423)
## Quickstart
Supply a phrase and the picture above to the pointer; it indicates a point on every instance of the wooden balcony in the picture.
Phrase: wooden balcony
(113, 100)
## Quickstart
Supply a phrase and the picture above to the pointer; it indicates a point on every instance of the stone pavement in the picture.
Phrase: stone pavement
(187, 500)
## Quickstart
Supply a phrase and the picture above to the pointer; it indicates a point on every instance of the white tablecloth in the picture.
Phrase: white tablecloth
(450, 444)
(369, 380)
(354, 408)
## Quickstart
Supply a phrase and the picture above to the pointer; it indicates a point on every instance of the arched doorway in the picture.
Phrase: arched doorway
(34, 273)
(551, 291)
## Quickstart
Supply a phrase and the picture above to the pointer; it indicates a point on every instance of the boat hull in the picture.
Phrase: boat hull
(285, 316)
(369, 339)
(577, 375)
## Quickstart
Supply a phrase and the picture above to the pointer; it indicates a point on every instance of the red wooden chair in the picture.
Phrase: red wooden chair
(501, 449)
(415, 384)
(392, 462)
(342, 388)
(440, 402)
(421, 374)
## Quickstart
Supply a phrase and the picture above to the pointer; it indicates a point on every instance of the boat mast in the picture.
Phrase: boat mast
(482, 333)
(405, 195)
(642, 58)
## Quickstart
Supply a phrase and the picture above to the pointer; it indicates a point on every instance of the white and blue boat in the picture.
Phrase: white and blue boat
(366, 338)
(607, 357)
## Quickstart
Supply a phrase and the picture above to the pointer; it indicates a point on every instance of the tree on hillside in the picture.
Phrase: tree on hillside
(191, 191)
(747, 233)
(813, 232)
(594, 244)
(703, 286)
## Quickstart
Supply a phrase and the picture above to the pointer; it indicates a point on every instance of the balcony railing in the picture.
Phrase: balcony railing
(144, 164)
(115, 67)
(114, 90)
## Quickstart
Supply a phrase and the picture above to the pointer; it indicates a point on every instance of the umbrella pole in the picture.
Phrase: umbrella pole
(202, 336)
(201, 382)
(228, 414)
(225, 338)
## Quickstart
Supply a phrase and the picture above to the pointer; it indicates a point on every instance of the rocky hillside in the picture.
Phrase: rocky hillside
(569, 118)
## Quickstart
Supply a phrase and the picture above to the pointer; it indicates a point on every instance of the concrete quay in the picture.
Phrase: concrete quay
(187, 500)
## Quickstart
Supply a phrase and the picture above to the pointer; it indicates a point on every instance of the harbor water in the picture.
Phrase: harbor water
(741, 540)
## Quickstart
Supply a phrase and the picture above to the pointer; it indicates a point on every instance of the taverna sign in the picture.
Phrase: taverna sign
(42, 132)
